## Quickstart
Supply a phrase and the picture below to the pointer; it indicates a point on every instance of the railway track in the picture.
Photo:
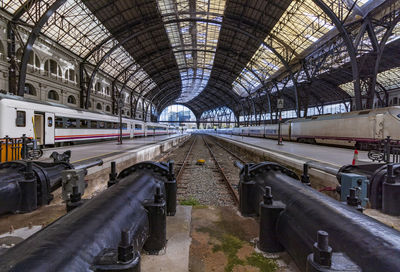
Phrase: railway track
(212, 183)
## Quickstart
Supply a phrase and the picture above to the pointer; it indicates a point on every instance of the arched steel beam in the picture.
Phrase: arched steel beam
(161, 56)
(227, 92)
(109, 52)
(35, 32)
(189, 107)
(350, 49)
(202, 50)
(233, 28)
(11, 44)
(381, 49)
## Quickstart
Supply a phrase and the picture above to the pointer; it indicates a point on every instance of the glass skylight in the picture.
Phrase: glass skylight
(193, 42)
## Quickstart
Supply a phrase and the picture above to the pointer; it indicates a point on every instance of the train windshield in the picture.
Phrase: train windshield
(395, 111)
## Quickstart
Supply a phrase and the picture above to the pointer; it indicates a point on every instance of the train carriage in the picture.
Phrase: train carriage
(361, 129)
(51, 123)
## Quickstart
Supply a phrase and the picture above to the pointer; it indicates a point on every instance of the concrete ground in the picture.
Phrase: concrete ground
(208, 238)
(104, 149)
(327, 154)
(176, 256)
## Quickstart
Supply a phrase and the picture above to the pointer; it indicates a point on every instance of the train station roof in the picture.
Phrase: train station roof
(211, 53)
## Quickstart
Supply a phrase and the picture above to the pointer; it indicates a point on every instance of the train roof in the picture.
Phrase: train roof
(345, 115)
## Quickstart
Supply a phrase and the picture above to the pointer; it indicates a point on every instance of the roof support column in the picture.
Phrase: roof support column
(35, 32)
(350, 48)
(11, 45)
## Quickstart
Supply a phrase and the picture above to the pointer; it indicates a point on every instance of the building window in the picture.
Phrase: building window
(51, 66)
(107, 90)
(97, 87)
(29, 89)
(395, 101)
(71, 99)
(33, 58)
(70, 75)
(108, 109)
(98, 106)
(53, 95)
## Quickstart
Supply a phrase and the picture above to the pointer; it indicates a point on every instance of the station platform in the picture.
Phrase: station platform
(104, 149)
(336, 156)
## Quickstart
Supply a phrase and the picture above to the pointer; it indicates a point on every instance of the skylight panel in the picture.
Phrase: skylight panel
(197, 39)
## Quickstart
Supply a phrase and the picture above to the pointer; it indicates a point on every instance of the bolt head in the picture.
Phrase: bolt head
(322, 257)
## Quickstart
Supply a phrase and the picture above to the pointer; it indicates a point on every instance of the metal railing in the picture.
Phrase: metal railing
(388, 151)
(13, 149)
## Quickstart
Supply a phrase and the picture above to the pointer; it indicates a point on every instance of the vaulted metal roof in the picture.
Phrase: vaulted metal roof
(211, 53)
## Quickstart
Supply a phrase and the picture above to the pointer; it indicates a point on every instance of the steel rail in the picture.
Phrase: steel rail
(173, 149)
(178, 176)
(229, 185)
(230, 152)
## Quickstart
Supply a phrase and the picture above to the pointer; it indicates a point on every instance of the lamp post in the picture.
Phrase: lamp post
(279, 105)
(120, 105)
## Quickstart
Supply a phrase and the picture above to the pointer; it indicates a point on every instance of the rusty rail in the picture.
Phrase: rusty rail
(228, 184)
(173, 149)
(230, 152)
(178, 176)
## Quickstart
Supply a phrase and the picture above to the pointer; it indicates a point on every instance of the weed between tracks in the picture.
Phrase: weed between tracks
(191, 202)
(233, 241)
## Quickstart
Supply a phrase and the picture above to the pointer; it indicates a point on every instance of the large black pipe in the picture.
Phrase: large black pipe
(17, 182)
(76, 241)
(369, 243)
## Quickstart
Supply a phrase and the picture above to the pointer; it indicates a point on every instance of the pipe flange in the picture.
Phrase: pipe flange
(156, 167)
(256, 169)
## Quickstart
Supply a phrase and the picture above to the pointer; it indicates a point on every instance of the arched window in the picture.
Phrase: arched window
(53, 95)
(29, 89)
(90, 104)
(108, 109)
(122, 112)
(97, 87)
(33, 58)
(70, 75)
(71, 99)
(2, 51)
(51, 66)
(98, 106)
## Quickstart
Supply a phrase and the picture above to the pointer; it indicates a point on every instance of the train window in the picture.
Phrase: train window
(93, 124)
(138, 126)
(59, 122)
(115, 125)
(21, 119)
(83, 123)
(124, 126)
(109, 125)
(70, 123)
(102, 125)
(49, 121)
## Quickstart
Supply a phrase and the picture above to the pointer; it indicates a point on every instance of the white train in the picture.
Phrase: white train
(360, 129)
(52, 123)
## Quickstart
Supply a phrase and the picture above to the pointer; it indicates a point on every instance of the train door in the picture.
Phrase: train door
(379, 125)
(49, 128)
(38, 128)
(132, 130)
